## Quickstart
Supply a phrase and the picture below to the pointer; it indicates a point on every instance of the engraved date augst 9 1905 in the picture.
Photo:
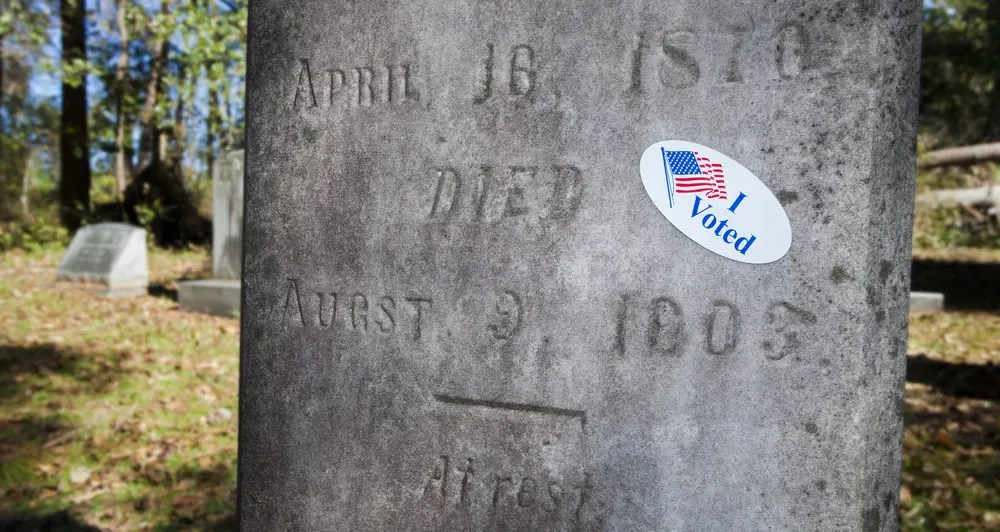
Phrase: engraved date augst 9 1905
(665, 326)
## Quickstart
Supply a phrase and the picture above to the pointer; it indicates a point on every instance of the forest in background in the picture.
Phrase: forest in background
(117, 109)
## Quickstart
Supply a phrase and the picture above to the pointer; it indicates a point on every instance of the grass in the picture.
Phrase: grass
(120, 414)
(960, 254)
(115, 413)
(951, 445)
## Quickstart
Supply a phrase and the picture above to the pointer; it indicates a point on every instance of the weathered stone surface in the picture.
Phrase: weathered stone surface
(110, 254)
(926, 301)
(220, 297)
(227, 215)
(464, 313)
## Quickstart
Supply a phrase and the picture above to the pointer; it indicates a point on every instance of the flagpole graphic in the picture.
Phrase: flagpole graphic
(669, 177)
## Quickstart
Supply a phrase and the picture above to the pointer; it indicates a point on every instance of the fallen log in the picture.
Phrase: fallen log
(960, 156)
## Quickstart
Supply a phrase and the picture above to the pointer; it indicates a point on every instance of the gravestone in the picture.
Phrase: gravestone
(109, 254)
(926, 301)
(227, 215)
(221, 294)
(464, 312)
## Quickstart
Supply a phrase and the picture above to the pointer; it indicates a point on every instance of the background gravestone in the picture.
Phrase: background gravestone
(227, 215)
(111, 254)
(221, 294)
(463, 312)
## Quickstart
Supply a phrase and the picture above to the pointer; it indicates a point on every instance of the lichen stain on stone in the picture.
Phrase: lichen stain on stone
(787, 196)
(838, 274)
(871, 520)
(884, 270)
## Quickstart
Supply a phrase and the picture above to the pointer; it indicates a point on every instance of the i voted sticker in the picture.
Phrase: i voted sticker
(715, 201)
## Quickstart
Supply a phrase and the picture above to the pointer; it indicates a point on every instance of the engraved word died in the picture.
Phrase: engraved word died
(715, 201)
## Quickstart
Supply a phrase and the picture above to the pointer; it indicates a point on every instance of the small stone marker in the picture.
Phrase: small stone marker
(220, 297)
(221, 294)
(926, 301)
(110, 254)
(464, 309)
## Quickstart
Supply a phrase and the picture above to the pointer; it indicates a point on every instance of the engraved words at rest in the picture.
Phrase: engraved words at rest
(463, 484)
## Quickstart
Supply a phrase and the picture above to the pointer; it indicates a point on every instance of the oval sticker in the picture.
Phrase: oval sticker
(715, 201)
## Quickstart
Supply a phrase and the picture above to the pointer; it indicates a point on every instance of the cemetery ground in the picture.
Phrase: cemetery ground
(120, 414)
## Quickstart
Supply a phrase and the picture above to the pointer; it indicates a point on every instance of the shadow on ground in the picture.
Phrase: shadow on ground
(973, 381)
(22, 371)
(161, 290)
(32, 423)
(183, 523)
(965, 285)
(19, 364)
(951, 445)
(37, 384)
(170, 291)
(55, 522)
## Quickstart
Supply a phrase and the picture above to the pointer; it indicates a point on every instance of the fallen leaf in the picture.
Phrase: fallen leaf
(220, 415)
(79, 475)
(904, 495)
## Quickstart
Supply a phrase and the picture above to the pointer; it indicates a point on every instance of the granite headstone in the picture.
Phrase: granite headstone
(221, 294)
(463, 312)
(109, 254)
(227, 215)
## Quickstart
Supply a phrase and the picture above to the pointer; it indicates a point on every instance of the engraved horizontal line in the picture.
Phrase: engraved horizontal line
(517, 407)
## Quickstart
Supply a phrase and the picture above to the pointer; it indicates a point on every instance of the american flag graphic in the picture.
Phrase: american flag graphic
(690, 173)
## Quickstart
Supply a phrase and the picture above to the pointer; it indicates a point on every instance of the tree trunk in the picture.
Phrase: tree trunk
(74, 144)
(211, 128)
(14, 153)
(225, 137)
(26, 194)
(122, 170)
(160, 178)
(2, 37)
(993, 38)
(180, 126)
(149, 139)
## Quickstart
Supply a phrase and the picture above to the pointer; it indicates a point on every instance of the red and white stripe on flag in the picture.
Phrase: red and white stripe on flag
(711, 181)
